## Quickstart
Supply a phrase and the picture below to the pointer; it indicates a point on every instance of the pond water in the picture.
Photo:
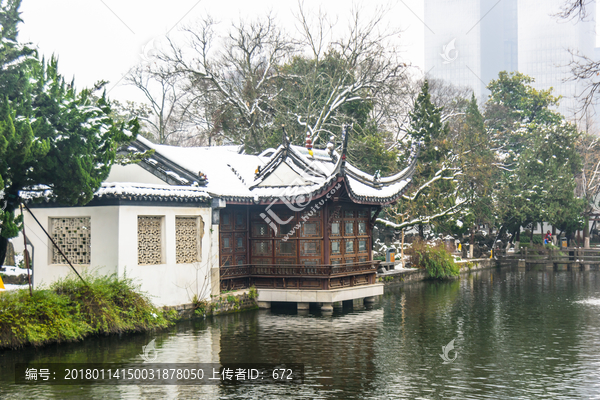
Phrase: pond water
(517, 334)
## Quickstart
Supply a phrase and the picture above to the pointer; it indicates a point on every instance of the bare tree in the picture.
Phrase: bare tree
(584, 69)
(588, 181)
(165, 97)
(367, 68)
(574, 9)
(587, 71)
(239, 75)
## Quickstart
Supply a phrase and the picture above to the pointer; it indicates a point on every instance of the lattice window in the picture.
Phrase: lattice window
(335, 229)
(73, 235)
(187, 238)
(149, 240)
(362, 228)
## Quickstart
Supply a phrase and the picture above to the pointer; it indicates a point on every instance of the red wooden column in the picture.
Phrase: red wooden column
(326, 233)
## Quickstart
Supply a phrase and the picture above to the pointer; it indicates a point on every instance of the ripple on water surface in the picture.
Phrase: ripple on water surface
(517, 334)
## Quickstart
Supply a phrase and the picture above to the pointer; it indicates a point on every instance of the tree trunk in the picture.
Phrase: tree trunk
(402, 249)
(3, 248)
(421, 234)
(533, 224)
(554, 238)
(586, 232)
(518, 239)
(472, 243)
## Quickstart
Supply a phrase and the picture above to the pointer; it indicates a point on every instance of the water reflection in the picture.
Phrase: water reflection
(531, 333)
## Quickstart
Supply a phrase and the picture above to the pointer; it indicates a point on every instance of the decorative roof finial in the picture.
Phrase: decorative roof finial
(377, 177)
(330, 147)
(309, 144)
(345, 130)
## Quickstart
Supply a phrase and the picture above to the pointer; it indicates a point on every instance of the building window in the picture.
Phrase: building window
(335, 229)
(240, 220)
(286, 249)
(226, 242)
(310, 248)
(362, 246)
(262, 248)
(260, 230)
(349, 229)
(188, 239)
(240, 242)
(149, 240)
(349, 246)
(335, 247)
(362, 228)
(73, 236)
(312, 228)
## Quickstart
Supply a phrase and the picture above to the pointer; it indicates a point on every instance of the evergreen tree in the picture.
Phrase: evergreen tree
(537, 149)
(53, 139)
(476, 158)
(433, 186)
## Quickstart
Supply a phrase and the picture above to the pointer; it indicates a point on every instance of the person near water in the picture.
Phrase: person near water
(548, 238)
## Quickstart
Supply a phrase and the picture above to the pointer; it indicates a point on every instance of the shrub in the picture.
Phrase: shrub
(438, 262)
(70, 310)
(538, 239)
(252, 293)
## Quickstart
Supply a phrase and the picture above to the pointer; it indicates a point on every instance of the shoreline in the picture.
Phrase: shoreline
(396, 277)
(243, 300)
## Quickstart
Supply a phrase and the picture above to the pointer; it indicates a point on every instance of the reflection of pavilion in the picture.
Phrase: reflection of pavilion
(300, 231)
(336, 351)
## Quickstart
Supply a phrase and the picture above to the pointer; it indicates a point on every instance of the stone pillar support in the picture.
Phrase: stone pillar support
(264, 304)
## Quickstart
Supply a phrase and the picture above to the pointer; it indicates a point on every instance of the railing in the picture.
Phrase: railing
(557, 256)
(298, 276)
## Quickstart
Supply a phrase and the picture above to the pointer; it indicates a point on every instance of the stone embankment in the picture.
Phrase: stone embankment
(405, 275)
(225, 303)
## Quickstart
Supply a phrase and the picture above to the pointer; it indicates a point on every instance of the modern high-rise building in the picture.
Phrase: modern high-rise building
(468, 42)
(545, 45)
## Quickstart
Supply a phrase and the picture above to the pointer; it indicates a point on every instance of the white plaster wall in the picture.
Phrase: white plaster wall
(114, 250)
(169, 283)
(132, 173)
(104, 241)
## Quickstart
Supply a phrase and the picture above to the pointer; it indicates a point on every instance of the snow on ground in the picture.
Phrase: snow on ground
(14, 271)
(13, 287)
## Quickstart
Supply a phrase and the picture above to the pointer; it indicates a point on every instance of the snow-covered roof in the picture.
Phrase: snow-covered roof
(243, 178)
(141, 191)
(134, 191)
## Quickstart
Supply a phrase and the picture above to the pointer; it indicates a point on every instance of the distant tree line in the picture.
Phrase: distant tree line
(513, 163)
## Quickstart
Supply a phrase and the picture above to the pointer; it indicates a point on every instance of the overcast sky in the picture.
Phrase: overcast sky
(103, 39)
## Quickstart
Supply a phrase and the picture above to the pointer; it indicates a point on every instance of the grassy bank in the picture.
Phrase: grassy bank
(69, 311)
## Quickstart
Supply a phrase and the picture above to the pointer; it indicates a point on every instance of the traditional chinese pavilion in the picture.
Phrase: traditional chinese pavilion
(299, 226)
(295, 222)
